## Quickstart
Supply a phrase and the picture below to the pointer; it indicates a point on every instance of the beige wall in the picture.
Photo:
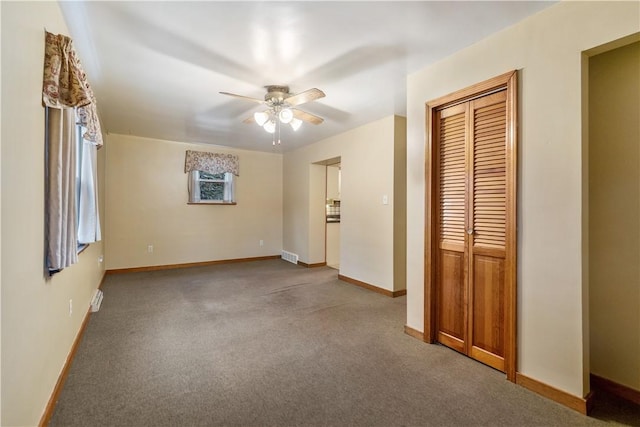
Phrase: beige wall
(366, 228)
(614, 214)
(400, 204)
(333, 189)
(0, 222)
(333, 244)
(546, 48)
(147, 205)
(37, 330)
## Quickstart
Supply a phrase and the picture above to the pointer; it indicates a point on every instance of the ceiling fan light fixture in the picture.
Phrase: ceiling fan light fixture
(280, 106)
(295, 123)
(285, 115)
(270, 126)
(261, 117)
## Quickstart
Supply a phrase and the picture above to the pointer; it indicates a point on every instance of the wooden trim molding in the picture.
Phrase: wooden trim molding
(473, 91)
(399, 293)
(414, 333)
(385, 292)
(48, 411)
(562, 397)
(318, 264)
(190, 264)
(213, 203)
(622, 391)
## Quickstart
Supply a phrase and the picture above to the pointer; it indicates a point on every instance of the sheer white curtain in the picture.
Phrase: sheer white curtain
(228, 187)
(194, 187)
(89, 218)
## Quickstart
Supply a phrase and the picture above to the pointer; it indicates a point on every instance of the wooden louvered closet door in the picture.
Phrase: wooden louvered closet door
(450, 276)
(471, 220)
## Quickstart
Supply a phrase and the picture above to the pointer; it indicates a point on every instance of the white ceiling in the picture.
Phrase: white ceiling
(157, 67)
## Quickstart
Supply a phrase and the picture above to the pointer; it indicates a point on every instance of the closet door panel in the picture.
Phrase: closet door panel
(451, 287)
(451, 320)
(487, 214)
(489, 171)
(488, 310)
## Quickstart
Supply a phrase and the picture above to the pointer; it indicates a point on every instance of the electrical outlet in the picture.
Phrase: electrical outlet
(70, 307)
(100, 259)
(261, 242)
(150, 249)
(385, 200)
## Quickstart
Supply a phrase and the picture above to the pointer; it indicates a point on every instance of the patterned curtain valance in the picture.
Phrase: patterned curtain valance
(65, 84)
(88, 116)
(211, 162)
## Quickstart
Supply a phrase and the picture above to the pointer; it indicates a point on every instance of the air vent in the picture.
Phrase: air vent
(289, 256)
(96, 301)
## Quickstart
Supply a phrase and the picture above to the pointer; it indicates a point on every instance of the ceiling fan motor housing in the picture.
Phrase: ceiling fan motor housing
(276, 94)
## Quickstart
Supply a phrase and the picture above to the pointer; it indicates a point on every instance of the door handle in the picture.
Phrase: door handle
(470, 231)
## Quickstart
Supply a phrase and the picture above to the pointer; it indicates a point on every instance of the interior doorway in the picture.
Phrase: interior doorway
(326, 210)
(613, 232)
(333, 217)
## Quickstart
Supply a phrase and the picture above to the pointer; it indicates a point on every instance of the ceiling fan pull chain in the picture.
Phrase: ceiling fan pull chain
(274, 133)
(278, 123)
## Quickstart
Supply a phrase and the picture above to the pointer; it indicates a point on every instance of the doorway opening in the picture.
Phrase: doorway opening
(332, 224)
(326, 209)
(612, 204)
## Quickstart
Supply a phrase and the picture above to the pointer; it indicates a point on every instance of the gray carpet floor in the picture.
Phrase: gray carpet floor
(268, 343)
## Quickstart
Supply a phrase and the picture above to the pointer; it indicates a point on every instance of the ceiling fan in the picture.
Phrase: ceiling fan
(281, 108)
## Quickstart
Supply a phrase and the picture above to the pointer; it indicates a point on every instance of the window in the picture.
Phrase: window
(79, 148)
(211, 188)
(211, 177)
(87, 216)
(66, 92)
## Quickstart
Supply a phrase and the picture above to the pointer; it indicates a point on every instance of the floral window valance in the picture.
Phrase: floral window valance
(65, 84)
(211, 162)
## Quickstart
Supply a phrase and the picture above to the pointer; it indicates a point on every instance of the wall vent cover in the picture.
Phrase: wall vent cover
(96, 301)
(289, 256)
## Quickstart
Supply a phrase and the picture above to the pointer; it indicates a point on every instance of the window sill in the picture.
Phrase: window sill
(82, 247)
(211, 203)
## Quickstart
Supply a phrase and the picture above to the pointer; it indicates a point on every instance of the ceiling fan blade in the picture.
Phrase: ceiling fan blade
(248, 98)
(306, 96)
(307, 117)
